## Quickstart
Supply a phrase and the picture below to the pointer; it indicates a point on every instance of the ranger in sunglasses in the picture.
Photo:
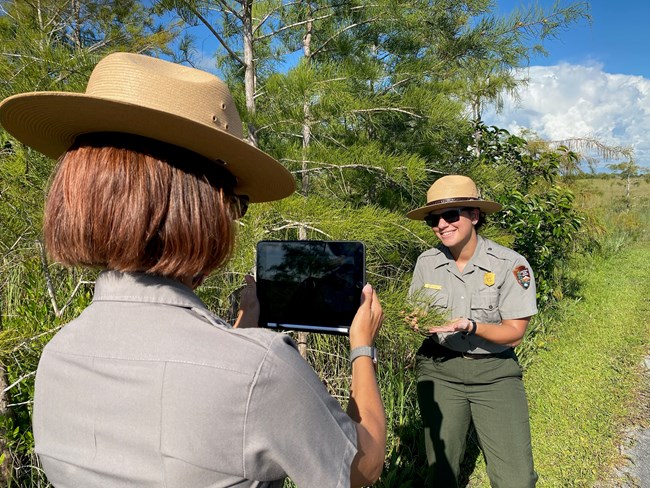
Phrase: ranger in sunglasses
(467, 369)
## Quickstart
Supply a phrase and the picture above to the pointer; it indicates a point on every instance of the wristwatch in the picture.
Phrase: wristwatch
(472, 331)
(369, 351)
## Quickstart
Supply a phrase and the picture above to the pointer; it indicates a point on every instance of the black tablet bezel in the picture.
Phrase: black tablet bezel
(311, 310)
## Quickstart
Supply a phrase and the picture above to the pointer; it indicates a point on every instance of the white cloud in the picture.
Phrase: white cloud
(575, 101)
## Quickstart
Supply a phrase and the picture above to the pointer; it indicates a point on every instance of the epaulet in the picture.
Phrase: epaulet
(210, 318)
(434, 251)
(499, 251)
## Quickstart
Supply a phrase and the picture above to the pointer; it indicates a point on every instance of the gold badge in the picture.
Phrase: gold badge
(488, 279)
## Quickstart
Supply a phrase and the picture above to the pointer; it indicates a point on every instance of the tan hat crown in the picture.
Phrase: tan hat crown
(452, 188)
(150, 97)
(453, 191)
(168, 87)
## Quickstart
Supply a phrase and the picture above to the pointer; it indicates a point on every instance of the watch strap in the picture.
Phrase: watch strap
(472, 331)
(369, 351)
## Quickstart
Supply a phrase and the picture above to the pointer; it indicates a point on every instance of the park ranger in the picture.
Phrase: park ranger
(467, 369)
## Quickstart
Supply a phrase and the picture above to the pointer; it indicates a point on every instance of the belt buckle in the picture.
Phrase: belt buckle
(470, 355)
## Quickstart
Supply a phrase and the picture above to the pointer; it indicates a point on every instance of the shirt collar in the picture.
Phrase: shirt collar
(140, 287)
(480, 258)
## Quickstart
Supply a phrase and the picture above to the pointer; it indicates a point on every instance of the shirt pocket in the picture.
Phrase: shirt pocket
(436, 299)
(485, 307)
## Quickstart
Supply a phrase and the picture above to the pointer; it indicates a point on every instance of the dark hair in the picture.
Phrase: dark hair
(130, 203)
(481, 218)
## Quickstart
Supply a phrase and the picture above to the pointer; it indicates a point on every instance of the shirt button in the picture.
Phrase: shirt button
(491, 307)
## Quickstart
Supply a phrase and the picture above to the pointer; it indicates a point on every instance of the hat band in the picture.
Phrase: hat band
(452, 200)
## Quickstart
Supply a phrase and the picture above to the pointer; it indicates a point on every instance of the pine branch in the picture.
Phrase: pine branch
(292, 224)
(291, 26)
(587, 143)
(33, 338)
(323, 165)
(18, 381)
(336, 34)
(386, 109)
(268, 16)
(214, 32)
(48, 278)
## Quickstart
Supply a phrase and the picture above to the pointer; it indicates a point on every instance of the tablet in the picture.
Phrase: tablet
(310, 286)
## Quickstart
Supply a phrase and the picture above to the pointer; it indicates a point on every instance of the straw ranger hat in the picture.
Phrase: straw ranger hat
(153, 98)
(453, 191)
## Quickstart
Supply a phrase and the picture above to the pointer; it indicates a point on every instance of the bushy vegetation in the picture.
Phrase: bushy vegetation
(373, 111)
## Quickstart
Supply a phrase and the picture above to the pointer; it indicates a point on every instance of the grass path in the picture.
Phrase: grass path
(582, 387)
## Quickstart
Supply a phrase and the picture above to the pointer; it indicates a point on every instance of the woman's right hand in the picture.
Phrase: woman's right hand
(365, 406)
(249, 306)
(368, 320)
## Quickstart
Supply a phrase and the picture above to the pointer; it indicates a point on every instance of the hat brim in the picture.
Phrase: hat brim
(485, 206)
(50, 121)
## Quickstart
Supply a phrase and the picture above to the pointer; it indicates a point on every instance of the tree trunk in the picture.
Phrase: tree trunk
(302, 337)
(306, 140)
(250, 80)
(306, 109)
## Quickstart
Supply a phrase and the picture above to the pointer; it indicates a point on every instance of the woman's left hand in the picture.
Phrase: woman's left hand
(249, 306)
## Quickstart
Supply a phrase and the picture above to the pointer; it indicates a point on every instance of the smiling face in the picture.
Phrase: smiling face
(454, 227)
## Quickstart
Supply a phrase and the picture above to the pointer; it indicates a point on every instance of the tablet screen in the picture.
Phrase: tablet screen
(309, 285)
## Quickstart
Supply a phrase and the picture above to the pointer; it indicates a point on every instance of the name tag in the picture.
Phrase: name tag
(432, 287)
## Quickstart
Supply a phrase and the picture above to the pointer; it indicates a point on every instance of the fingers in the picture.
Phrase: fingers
(453, 325)
(370, 300)
(366, 294)
(249, 306)
(368, 320)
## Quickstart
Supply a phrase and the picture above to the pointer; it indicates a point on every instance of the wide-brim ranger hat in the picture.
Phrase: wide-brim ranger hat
(137, 94)
(453, 191)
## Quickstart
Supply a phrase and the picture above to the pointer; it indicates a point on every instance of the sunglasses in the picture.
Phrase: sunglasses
(452, 215)
(240, 203)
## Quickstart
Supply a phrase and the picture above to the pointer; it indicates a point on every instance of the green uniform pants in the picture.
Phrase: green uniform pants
(454, 391)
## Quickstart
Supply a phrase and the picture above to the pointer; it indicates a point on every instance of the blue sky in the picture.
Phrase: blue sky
(618, 37)
(594, 84)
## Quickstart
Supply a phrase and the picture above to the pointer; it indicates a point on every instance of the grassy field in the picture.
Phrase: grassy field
(582, 388)
(622, 219)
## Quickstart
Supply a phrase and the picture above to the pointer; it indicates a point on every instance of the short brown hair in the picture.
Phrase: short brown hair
(129, 203)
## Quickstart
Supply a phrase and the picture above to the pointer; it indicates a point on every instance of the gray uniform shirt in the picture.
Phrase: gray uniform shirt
(147, 388)
(497, 283)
